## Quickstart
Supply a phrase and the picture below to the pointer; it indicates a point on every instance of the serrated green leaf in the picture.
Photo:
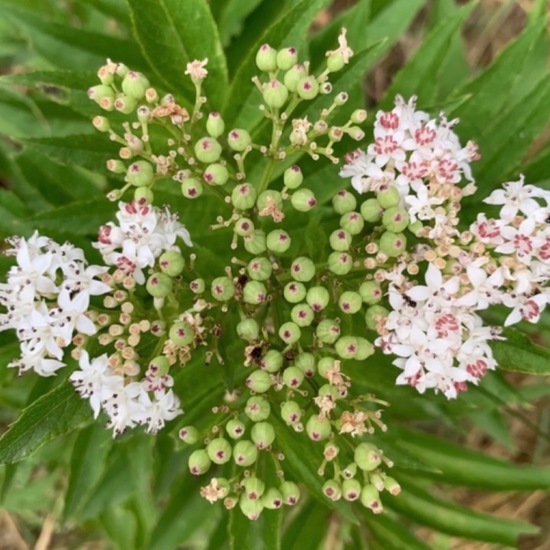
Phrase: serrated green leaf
(453, 519)
(188, 33)
(55, 413)
(517, 353)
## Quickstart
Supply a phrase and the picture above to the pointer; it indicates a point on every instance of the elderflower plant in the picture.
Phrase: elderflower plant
(241, 313)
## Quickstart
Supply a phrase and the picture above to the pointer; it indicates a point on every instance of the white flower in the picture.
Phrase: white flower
(165, 406)
(516, 197)
(343, 49)
(196, 69)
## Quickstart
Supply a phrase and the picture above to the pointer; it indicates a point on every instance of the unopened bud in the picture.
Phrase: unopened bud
(290, 492)
(235, 428)
(159, 285)
(370, 292)
(278, 241)
(293, 177)
(244, 227)
(340, 240)
(328, 331)
(367, 457)
(208, 150)
(257, 408)
(340, 263)
(245, 453)
(216, 174)
(191, 188)
(306, 363)
(351, 489)
(291, 413)
(317, 428)
(134, 85)
(189, 435)
(254, 292)
(302, 315)
(302, 269)
(393, 244)
(259, 381)
(294, 75)
(371, 210)
(318, 298)
(287, 58)
(243, 196)
(140, 173)
(263, 434)
(248, 329)
(303, 200)
(350, 302)
(181, 333)
(307, 87)
(238, 139)
(219, 450)
(272, 499)
(294, 292)
(388, 197)
(266, 59)
(222, 289)
(272, 361)
(275, 94)
(395, 219)
(172, 263)
(332, 490)
(199, 462)
(255, 243)
(289, 333)
(215, 125)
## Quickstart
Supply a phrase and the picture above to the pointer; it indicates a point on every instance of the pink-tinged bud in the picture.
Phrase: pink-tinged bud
(325, 365)
(371, 499)
(144, 194)
(354, 132)
(243, 196)
(318, 428)
(159, 285)
(272, 499)
(197, 286)
(251, 508)
(289, 333)
(235, 429)
(371, 210)
(294, 292)
(307, 87)
(344, 202)
(275, 94)
(140, 173)
(259, 381)
(393, 244)
(106, 75)
(189, 435)
(293, 377)
(266, 59)
(350, 302)
(340, 240)
(172, 263)
(216, 174)
(263, 434)
(199, 462)
(125, 104)
(287, 58)
(302, 315)
(359, 116)
(219, 450)
(332, 490)
(245, 453)
(352, 222)
(306, 363)
(215, 125)
(349, 471)
(303, 200)
(291, 413)
(253, 487)
(392, 486)
(272, 361)
(134, 85)
(101, 123)
(302, 269)
(259, 269)
(395, 219)
(97, 93)
(340, 263)
(294, 75)
(293, 177)
(208, 150)
(222, 289)
(151, 95)
(388, 197)
(367, 457)
(255, 243)
(257, 408)
(116, 166)
(254, 293)
(374, 314)
(191, 188)
(238, 139)
(290, 492)
(346, 347)
(244, 227)
(249, 330)
(370, 292)
(181, 333)
(318, 298)
(351, 489)
(328, 331)
(278, 241)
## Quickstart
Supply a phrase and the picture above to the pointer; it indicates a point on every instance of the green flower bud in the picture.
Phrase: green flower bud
(272, 499)
(416, 227)
(306, 363)
(340, 263)
(253, 487)
(344, 202)
(371, 210)
(341, 98)
(340, 240)
(318, 298)
(105, 75)
(191, 188)
(244, 227)
(294, 75)
(255, 243)
(172, 263)
(134, 85)
(208, 150)
(116, 166)
(370, 292)
(199, 462)
(351, 489)
(290, 492)
(259, 381)
(197, 286)
(181, 333)
(266, 197)
(99, 92)
(377, 480)
(358, 116)
(263, 434)
(275, 94)
(352, 222)
(388, 197)
(254, 293)
(223, 486)
(328, 331)
(159, 285)
(140, 173)
(395, 219)
(350, 302)
(259, 269)
(251, 508)
(189, 435)
(350, 470)
(278, 241)
(235, 429)
(302, 315)
(257, 408)
(393, 244)
(272, 361)
(222, 289)
(289, 333)
(335, 133)
(364, 349)
(124, 104)
(101, 123)
(317, 428)
(238, 139)
(354, 132)
(324, 365)
(245, 453)
(294, 292)
(216, 174)
(346, 347)
(143, 114)
(332, 490)
(293, 177)
(291, 413)
(144, 194)
(293, 377)
(219, 450)
(266, 59)
(367, 457)
(371, 499)
(392, 486)
(159, 365)
(303, 200)
(335, 62)
(249, 330)
(215, 125)
(243, 196)
(307, 87)
(373, 314)
(328, 390)
(121, 70)
(302, 269)
(287, 58)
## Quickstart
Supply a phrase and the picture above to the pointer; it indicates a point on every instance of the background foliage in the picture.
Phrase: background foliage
(135, 492)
